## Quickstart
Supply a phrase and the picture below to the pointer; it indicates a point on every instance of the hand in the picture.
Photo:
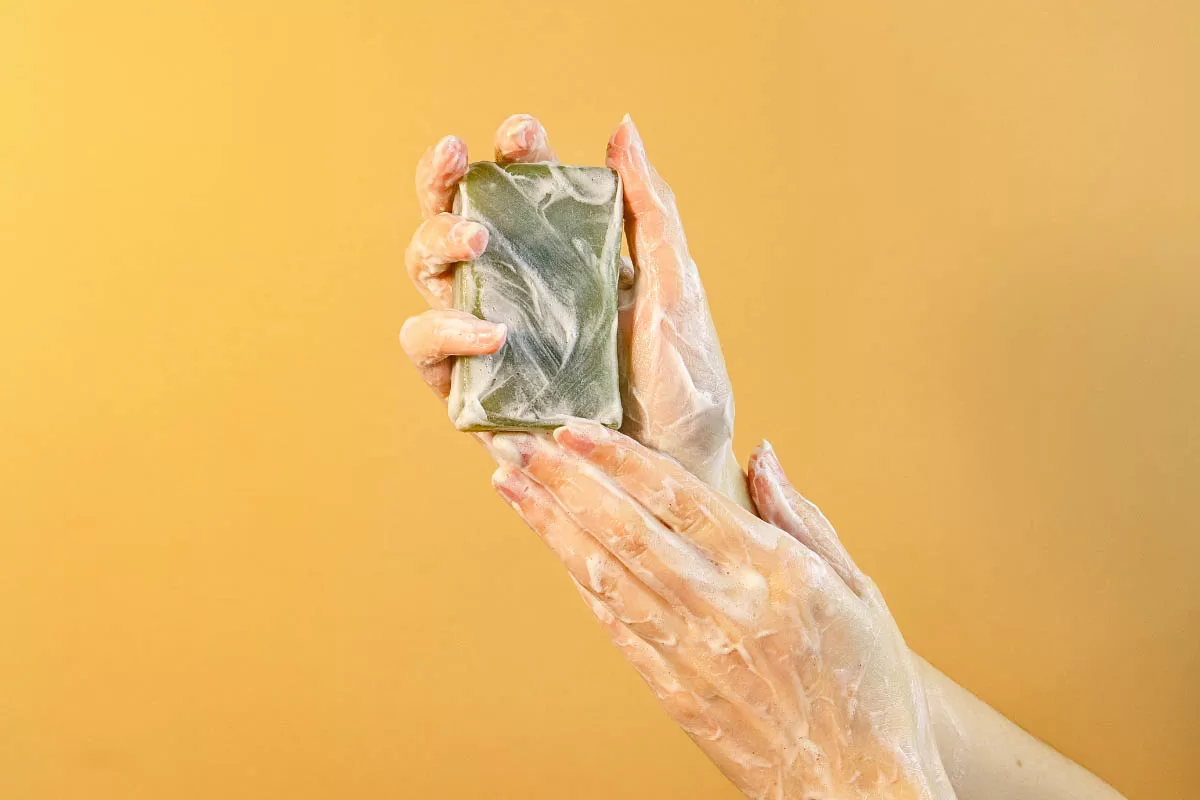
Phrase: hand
(775, 655)
(676, 392)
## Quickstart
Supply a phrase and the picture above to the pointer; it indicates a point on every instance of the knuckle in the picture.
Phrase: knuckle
(692, 521)
(603, 577)
(628, 545)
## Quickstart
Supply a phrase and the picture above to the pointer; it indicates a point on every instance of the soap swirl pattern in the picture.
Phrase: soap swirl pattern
(550, 275)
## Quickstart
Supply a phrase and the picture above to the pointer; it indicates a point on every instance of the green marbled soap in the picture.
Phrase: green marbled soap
(550, 274)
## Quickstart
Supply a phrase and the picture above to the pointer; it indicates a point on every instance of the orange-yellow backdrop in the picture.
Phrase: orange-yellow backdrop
(953, 251)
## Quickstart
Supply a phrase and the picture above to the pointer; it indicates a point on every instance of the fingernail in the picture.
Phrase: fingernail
(625, 273)
(625, 121)
(464, 326)
(510, 483)
(471, 235)
(577, 436)
(480, 331)
(450, 153)
(771, 461)
(632, 151)
(520, 133)
(512, 448)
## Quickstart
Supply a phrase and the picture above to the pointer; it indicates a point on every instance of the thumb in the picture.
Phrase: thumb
(652, 222)
(782, 506)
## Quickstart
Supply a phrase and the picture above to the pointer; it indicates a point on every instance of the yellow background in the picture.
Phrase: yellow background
(953, 250)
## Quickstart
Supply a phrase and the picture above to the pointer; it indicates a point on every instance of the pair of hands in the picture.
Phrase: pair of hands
(760, 637)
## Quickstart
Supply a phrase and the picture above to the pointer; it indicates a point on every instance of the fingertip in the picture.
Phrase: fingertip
(624, 131)
(438, 173)
(407, 331)
(481, 338)
(500, 334)
(489, 339)
(625, 146)
(516, 134)
(580, 436)
(574, 440)
(514, 449)
(764, 454)
(450, 155)
(508, 481)
(763, 471)
(522, 138)
(626, 273)
(471, 235)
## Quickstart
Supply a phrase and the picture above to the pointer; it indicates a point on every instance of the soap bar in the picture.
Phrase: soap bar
(549, 273)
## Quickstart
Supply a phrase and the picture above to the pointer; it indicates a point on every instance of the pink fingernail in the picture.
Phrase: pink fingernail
(771, 463)
(510, 483)
(513, 448)
(483, 332)
(577, 437)
(471, 235)
(521, 134)
(451, 154)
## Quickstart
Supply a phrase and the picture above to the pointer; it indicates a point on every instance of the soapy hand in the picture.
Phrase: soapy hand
(774, 653)
(675, 390)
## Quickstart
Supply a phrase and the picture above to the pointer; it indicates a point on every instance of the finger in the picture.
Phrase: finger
(438, 174)
(652, 223)
(736, 742)
(626, 606)
(665, 562)
(782, 506)
(594, 570)
(625, 273)
(429, 339)
(727, 534)
(689, 701)
(438, 244)
(522, 139)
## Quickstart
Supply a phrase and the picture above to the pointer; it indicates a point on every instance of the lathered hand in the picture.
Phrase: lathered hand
(675, 390)
(781, 663)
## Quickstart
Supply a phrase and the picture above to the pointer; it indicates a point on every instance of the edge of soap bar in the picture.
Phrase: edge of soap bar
(464, 408)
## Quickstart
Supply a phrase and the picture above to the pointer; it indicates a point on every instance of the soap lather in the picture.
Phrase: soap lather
(550, 275)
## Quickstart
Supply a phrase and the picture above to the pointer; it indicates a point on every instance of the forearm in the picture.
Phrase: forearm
(988, 757)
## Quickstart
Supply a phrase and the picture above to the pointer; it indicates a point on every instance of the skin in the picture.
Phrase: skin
(794, 684)
(676, 393)
(986, 756)
(679, 402)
